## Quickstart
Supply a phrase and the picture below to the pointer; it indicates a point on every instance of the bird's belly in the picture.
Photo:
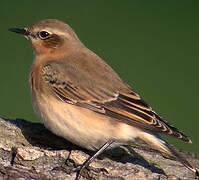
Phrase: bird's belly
(79, 125)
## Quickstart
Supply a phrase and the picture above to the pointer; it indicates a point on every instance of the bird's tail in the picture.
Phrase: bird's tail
(161, 145)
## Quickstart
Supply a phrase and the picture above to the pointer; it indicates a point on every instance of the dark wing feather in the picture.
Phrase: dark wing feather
(125, 106)
(137, 112)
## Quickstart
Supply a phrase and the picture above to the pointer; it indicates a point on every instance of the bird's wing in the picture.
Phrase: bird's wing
(75, 87)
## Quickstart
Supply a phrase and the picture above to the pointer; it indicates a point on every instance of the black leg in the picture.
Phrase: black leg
(91, 158)
(197, 174)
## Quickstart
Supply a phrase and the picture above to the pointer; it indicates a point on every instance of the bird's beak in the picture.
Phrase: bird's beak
(22, 31)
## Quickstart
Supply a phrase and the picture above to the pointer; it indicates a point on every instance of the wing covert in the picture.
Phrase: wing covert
(124, 105)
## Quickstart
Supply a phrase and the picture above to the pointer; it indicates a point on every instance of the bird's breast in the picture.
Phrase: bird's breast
(79, 125)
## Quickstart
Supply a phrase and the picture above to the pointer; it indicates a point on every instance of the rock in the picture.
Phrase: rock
(29, 151)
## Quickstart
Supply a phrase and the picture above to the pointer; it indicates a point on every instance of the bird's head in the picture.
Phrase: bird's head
(50, 36)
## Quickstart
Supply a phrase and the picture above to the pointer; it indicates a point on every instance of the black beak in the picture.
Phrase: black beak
(20, 31)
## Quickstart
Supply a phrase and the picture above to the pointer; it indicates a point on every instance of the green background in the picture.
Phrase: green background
(153, 45)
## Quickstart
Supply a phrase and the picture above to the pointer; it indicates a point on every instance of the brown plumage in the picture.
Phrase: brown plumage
(80, 97)
(117, 100)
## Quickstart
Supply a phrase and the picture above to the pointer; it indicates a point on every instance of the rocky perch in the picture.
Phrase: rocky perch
(29, 151)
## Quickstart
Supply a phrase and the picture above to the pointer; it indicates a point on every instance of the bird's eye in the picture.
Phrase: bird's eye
(44, 35)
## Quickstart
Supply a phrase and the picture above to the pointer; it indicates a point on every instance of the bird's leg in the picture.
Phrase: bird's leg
(91, 158)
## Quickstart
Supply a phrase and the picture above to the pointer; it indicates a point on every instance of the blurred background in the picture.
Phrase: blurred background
(153, 45)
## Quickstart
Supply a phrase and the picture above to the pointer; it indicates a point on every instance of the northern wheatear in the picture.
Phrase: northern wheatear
(80, 98)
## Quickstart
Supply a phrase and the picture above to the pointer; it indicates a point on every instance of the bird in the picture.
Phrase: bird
(79, 97)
